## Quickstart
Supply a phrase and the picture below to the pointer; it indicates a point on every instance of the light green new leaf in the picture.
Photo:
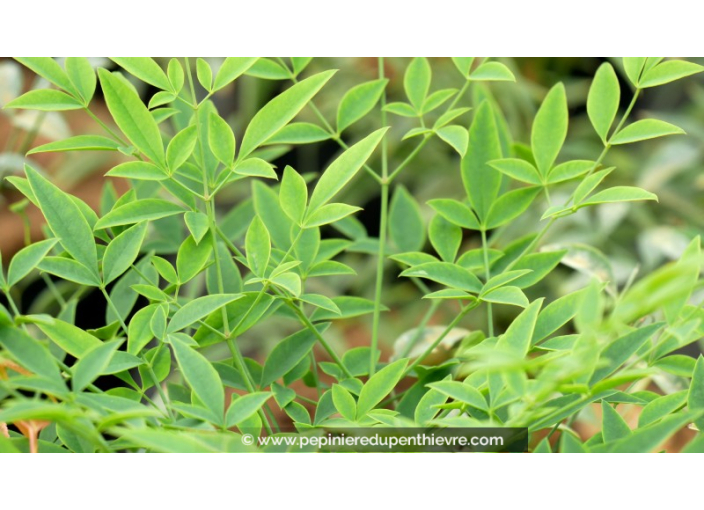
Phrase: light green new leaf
(289, 281)
(455, 212)
(341, 171)
(446, 274)
(619, 194)
(645, 130)
(198, 225)
(246, 406)
(78, 143)
(405, 221)
(65, 220)
(633, 67)
(379, 385)
(231, 69)
(695, 398)
(221, 139)
(330, 213)
(416, 81)
(445, 237)
(293, 195)
(258, 247)
(123, 251)
(480, 180)
(132, 117)
(204, 74)
(518, 336)
(509, 206)
(140, 170)
(197, 309)
(517, 169)
(201, 376)
(550, 128)
(589, 184)
(603, 100)
(255, 167)
(344, 402)
(455, 136)
(181, 147)
(139, 210)
(47, 100)
(492, 71)
(82, 76)
(27, 259)
(299, 133)
(92, 364)
(570, 170)
(192, 258)
(288, 353)
(667, 72)
(359, 101)
(139, 331)
(176, 75)
(144, 68)
(507, 296)
(48, 68)
(279, 111)
(462, 392)
(613, 426)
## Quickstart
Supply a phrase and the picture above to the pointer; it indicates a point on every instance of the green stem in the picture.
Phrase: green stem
(487, 271)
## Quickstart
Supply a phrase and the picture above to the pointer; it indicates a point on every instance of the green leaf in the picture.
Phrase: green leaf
(619, 194)
(279, 111)
(667, 72)
(144, 68)
(255, 167)
(613, 425)
(349, 306)
(47, 100)
(416, 81)
(258, 247)
(27, 259)
(92, 364)
(661, 407)
(405, 221)
(49, 69)
(359, 101)
(201, 377)
(401, 109)
(288, 353)
(176, 75)
(379, 385)
(140, 210)
(123, 251)
(540, 264)
(132, 117)
(69, 269)
(29, 353)
(461, 392)
(181, 147)
(293, 195)
(455, 212)
(427, 407)
(82, 76)
(299, 133)
(517, 169)
(140, 170)
(204, 74)
(344, 402)
(455, 136)
(330, 213)
(603, 100)
(191, 258)
(463, 64)
(341, 171)
(198, 225)
(221, 139)
(480, 180)
(507, 296)
(550, 128)
(78, 143)
(197, 309)
(569, 170)
(446, 274)
(492, 71)
(645, 130)
(139, 332)
(618, 351)
(231, 69)
(65, 220)
(510, 205)
(633, 67)
(246, 406)
(556, 314)
(445, 237)
(518, 336)
(289, 281)
(589, 184)
(695, 398)
(646, 439)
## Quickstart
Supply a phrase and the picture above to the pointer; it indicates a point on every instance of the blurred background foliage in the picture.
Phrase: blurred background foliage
(615, 243)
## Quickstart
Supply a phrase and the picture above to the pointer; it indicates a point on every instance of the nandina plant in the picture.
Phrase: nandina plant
(187, 278)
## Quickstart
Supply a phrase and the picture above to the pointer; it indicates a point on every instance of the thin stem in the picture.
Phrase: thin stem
(409, 158)
(487, 271)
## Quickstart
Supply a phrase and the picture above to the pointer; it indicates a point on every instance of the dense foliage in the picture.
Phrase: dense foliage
(213, 245)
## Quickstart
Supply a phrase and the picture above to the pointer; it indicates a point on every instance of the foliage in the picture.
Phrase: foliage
(186, 278)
